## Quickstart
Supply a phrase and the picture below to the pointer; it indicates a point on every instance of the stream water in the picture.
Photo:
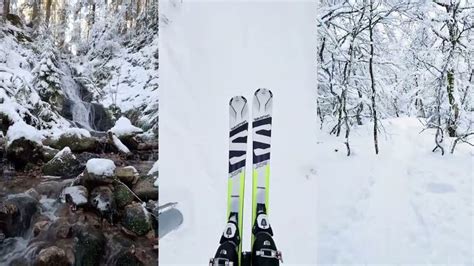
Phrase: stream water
(81, 110)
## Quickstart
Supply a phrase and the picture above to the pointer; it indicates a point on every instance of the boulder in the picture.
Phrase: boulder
(40, 227)
(52, 188)
(145, 188)
(127, 258)
(17, 213)
(76, 143)
(102, 198)
(64, 164)
(99, 171)
(51, 256)
(49, 153)
(76, 195)
(22, 152)
(122, 195)
(90, 245)
(136, 219)
(127, 174)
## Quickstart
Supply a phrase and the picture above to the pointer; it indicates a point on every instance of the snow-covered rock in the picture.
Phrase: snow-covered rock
(22, 130)
(78, 140)
(103, 199)
(64, 164)
(78, 195)
(101, 167)
(24, 145)
(124, 127)
(77, 132)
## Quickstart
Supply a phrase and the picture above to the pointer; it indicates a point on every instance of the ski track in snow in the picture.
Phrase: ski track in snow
(406, 206)
(209, 52)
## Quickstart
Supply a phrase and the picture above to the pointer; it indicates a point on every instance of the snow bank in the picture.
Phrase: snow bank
(22, 130)
(78, 132)
(101, 167)
(123, 127)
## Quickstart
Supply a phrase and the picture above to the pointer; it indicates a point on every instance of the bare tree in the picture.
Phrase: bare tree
(6, 8)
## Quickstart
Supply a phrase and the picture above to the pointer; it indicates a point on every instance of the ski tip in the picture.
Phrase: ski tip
(263, 91)
(237, 99)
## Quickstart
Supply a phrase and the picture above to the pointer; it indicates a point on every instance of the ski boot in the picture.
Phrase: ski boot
(264, 251)
(227, 253)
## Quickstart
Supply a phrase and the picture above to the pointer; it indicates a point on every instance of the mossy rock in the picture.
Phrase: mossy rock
(49, 153)
(22, 152)
(90, 246)
(77, 144)
(65, 165)
(122, 195)
(136, 220)
(127, 259)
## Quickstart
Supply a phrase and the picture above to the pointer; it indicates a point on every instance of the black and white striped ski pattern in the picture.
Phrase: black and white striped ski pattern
(238, 123)
(262, 131)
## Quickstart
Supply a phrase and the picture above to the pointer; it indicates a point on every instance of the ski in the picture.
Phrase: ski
(262, 129)
(238, 123)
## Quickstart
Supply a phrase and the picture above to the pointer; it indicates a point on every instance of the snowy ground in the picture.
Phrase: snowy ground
(405, 206)
(209, 52)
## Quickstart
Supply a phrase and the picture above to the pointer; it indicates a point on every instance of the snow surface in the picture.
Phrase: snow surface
(209, 52)
(405, 206)
(101, 167)
(22, 130)
(123, 127)
(77, 132)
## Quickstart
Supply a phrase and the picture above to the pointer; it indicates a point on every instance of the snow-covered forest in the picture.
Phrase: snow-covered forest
(79, 132)
(395, 156)
(385, 59)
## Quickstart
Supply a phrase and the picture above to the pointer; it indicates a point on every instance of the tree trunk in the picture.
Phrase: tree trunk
(48, 11)
(6, 8)
(453, 117)
(372, 79)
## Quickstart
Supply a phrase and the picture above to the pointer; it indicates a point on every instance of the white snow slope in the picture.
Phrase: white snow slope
(209, 52)
(405, 206)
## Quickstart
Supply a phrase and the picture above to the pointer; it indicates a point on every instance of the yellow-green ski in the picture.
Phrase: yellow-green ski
(238, 122)
(261, 133)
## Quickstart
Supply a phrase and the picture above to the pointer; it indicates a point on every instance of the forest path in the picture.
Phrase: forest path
(405, 206)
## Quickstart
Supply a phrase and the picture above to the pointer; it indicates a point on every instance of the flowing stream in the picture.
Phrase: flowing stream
(81, 110)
